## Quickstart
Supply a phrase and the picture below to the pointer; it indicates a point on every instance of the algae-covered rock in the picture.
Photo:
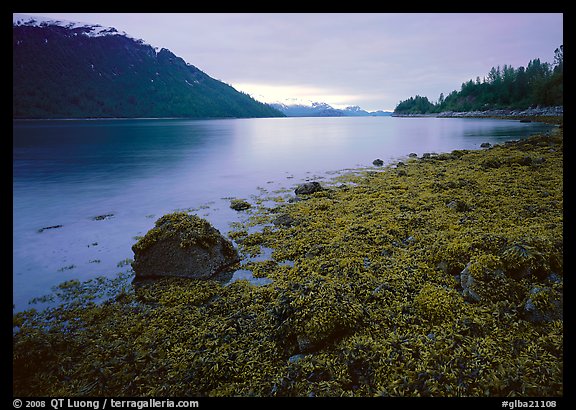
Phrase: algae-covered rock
(467, 282)
(182, 245)
(543, 305)
(239, 205)
(308, 188)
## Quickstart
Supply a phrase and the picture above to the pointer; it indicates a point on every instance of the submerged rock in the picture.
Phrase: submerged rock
(182, 245)
(102, 217)
(49, 227)
(308, 188)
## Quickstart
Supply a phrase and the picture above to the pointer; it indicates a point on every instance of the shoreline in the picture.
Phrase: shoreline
(546, 112)
(417, 271)
(537, 113)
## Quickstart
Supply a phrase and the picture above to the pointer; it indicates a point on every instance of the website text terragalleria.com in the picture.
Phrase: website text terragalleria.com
(102, 404)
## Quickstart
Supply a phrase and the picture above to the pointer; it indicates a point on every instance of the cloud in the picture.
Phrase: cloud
(271, 93)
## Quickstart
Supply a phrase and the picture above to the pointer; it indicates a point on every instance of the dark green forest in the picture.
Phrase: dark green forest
(537, 84)
(65, 73)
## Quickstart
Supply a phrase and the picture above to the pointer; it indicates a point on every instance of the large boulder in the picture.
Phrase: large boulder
(182, 245)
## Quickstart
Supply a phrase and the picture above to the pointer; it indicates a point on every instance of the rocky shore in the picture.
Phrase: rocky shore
(439, 275)
(530, 112)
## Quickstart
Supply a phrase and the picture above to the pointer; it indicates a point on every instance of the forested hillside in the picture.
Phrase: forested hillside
(537, 84)
(70, 72)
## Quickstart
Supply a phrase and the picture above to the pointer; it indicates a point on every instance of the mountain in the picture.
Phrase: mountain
(300, 108)
(64, 69)
(314, 109)
(355, 111)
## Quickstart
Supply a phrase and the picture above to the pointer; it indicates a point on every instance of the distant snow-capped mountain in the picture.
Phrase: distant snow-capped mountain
(300, 108)
(295, 107)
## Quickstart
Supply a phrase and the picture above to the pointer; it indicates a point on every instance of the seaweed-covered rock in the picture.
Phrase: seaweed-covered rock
(182, 245)
(308, 188)
(458, 205)
(467, 282)
(543, 305)
(284, 220)
(239, 205)
(314, 313)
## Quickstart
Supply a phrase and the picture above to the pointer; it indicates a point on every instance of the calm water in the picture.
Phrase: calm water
(69, 173)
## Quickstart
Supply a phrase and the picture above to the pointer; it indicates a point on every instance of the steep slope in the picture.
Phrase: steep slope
(71, 70)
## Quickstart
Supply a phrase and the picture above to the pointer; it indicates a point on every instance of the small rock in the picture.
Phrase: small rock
(284, 220)
(443, 266)
(239, 205)
(485, 145)
(304, 343)
(467, 282)
(296, 358)
(49, 227)
(409, 241)
(412, 155)
(366, 262)
(458, 205)
(554, 278)
(543, 305)
(308, 188)
(102, 217)
(382, 287)
(378, 162)
(525, 160)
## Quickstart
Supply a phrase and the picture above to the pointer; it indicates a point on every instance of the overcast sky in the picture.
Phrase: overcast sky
(371, 60)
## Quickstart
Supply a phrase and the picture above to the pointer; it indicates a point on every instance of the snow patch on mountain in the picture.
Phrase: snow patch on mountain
(297, 107)
(87, 29)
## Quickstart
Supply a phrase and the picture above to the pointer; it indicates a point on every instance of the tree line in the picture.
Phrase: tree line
(537, 84)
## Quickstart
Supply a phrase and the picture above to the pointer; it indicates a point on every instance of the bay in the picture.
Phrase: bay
(84, 190)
